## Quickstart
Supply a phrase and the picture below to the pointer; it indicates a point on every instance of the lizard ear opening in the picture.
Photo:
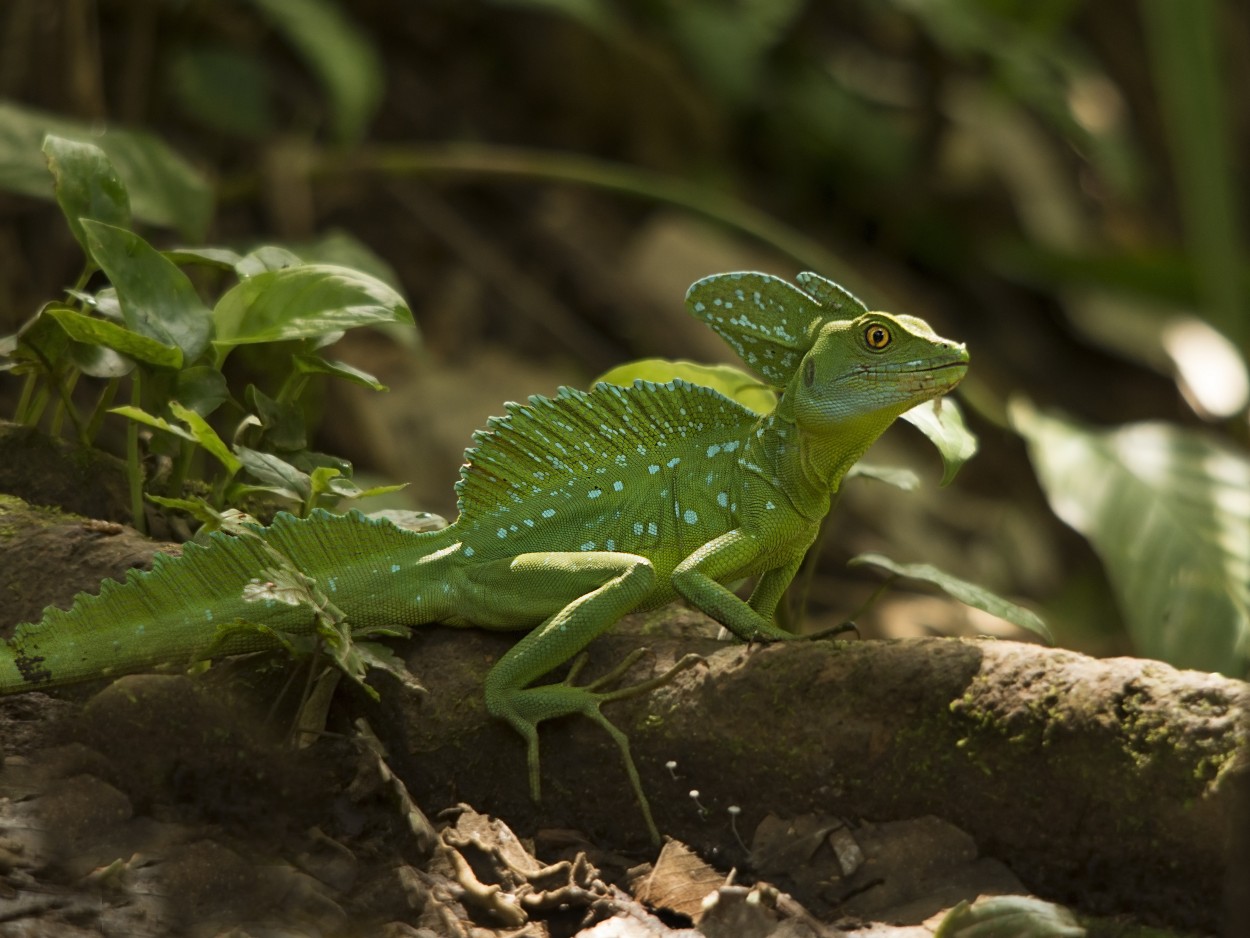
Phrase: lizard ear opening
(767, 321)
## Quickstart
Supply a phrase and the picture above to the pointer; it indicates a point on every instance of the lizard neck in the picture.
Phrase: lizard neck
(806, 466)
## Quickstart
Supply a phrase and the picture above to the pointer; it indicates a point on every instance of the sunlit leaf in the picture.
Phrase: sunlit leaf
(896, 476)
(303, 302)
(1009, 917)
(139, 415)
(266, 257)
(1168, 511)
(164, 188)
(734, 383)
(1209, 369)
(206, 436)
(156, 297)
(221, 258)
(86, 185)
(346, 250)
(942, 422)
(978, 597)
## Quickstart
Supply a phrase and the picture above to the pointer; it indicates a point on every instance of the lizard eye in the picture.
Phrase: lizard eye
(877, 336)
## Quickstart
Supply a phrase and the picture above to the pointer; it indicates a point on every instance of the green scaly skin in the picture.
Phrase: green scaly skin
(573, 512)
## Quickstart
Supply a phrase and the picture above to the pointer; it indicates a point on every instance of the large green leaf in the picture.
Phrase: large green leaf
(302, 303)
(1168, 511)
(86, 185)
(164, 188)
(156, 297)
(978, 597)
(734, 383)
(942, 422)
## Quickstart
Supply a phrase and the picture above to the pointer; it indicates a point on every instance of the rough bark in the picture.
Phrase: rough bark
(48, 556)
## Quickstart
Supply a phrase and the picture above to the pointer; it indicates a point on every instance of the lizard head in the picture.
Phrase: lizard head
(837, 361)
(873, 367)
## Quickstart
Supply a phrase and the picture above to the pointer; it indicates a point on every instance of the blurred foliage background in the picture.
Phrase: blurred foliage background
(1054, 182)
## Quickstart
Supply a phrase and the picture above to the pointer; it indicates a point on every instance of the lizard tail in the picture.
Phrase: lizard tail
(189, 607)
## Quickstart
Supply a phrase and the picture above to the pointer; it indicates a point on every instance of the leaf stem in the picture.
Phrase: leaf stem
(134, 470)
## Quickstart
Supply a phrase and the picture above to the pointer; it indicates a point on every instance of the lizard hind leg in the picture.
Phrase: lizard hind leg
(596, 589)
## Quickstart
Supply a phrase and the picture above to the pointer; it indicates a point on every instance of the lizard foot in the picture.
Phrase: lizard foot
(834, 630)
(523, 709)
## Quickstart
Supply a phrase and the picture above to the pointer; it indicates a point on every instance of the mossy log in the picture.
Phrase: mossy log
(1110, 784)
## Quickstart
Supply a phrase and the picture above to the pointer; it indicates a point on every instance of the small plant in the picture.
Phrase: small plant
(136, 322)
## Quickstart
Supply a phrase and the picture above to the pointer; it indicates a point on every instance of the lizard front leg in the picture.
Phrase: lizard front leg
(698, 579)
(591, 591)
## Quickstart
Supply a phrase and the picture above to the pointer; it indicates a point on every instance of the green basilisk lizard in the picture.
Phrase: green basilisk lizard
(574, 511)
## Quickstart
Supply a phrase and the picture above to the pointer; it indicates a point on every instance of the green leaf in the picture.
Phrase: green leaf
(39, 346)
(221, 258)
(139, 415)
(302, 303)
(1168, 511)
(346, 250)
(86, 185)
(99, 361)
(207, 437)
(734, 383)
(341, 55)
(896, 476)
(197, 508)
(276, 472)
(202, 388)
(316, 365)
(1009, 917)
(942, 422)
(198, 431)
(156, 297)
(94, 331)
(978, 597)
(266, 257)
(346, 488)
(164, 189)
(282, 422)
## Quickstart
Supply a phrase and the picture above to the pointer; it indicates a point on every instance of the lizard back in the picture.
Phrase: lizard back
(648, 469)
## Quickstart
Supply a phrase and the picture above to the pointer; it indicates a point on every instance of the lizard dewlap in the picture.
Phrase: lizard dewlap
(574, 510)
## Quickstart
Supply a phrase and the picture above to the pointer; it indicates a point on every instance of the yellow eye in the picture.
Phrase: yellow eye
(877, 336)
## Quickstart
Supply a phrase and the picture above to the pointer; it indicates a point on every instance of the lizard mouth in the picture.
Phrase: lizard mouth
(955, 364)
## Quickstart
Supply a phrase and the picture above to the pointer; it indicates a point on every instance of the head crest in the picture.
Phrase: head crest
(770, 323)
